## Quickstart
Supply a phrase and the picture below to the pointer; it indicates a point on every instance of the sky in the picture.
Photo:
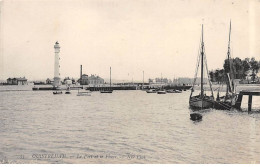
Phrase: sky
(154, 36)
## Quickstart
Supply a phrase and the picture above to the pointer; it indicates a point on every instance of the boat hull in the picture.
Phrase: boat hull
(195, 116)
(222, 105)
(57, 92)
(106, 91)
(197, 102)
(161, 92)
(83, 94)
(151, 91)
(174, 91)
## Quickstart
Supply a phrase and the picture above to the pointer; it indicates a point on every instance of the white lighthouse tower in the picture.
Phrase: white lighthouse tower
(56, 82)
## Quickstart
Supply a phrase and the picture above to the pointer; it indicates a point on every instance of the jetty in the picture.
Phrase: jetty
(55, 88)
(250, 94)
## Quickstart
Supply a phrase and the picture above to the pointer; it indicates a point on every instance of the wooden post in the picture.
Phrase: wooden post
(250, 102)
(239, 100)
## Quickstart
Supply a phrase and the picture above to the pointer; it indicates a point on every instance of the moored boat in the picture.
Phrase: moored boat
(201, 101)
(57, 92)
(162, 91)
(174, 91)
(228, 101)
(106, 91)
(195, 116)
(151, 91)
(84, 94)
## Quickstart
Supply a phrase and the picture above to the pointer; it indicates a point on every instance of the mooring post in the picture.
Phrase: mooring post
(250, 102)
(239, 100)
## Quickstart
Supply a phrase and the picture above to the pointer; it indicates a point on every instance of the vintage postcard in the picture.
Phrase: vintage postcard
(129, 81)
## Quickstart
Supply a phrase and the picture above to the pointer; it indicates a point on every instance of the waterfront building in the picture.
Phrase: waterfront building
(161, 80)
(17, 81)
(48, 81)
(84, 80)
(90, 80)
(95, 80)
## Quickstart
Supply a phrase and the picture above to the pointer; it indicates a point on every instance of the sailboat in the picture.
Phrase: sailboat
(226, 102)
(161, 91)
(110, 90)
(201, 101)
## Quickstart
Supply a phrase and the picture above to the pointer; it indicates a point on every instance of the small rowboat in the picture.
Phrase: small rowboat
(57, 92)
(84, 94)
(195, 116)
(151, 91)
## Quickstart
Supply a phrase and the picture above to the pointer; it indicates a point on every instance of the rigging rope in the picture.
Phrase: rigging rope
(208, 74)
(196, 71)
(197, 66)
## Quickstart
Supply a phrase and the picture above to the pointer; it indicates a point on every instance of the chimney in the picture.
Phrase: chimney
(80, 72)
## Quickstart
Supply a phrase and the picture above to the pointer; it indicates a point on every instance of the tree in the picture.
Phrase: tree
(254, 66)
(238, 68)
(246, 67)
(211, 75)
(226, 66)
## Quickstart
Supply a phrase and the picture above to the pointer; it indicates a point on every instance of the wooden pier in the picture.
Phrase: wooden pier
(250, 93)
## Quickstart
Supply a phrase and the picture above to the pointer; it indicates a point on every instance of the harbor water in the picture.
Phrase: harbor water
(123, 127)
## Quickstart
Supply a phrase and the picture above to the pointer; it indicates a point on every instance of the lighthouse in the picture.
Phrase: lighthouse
(56, 82)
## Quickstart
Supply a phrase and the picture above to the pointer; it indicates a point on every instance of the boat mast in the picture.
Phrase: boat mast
(202, 55)
(228, 53)
(161, 81)
(229, 77)
(143, 80)
(110, 78)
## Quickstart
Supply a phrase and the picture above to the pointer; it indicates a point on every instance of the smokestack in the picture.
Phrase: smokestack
(80, 71)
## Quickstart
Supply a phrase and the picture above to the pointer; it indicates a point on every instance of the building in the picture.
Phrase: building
(84, 80)
(49, 82)
(161, 80)
(17, 81)
(90, 80)
(95, 80)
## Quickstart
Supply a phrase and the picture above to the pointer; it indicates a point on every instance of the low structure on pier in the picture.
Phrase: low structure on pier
(250, 93)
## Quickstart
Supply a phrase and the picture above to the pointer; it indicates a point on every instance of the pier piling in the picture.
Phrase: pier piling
(250, 94)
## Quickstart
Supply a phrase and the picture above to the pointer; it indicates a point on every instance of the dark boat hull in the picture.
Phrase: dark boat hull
(223, 105)
(174, 91)
(106, 91)
(57, 92)
(195, 116)
(161, 92)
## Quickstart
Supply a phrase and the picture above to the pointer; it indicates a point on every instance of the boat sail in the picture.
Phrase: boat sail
(201, 101)
(110, 90)
(226, 102)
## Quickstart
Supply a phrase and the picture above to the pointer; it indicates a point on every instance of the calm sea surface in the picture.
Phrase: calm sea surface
(122, 127)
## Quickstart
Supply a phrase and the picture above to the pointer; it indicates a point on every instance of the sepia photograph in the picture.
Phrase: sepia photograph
(129, 81)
